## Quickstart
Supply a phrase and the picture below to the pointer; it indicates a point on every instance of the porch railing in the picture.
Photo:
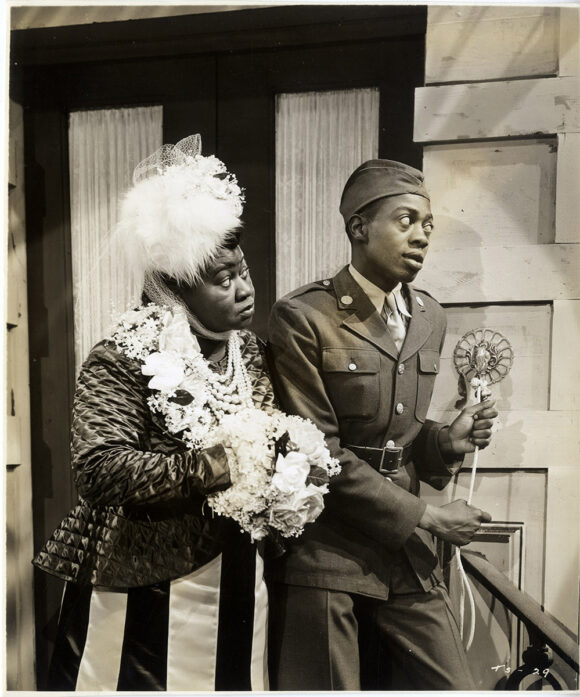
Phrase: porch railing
(547, 635)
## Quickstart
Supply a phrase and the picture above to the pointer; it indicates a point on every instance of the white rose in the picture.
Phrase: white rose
(291, 472)
(315, 450)
(176, 336)
(308, 440)
(286, 518)
(297, 509)
(167, 370)
(313, 499)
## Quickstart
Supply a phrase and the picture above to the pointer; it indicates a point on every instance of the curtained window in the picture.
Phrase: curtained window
(321, 137)
(105, 145)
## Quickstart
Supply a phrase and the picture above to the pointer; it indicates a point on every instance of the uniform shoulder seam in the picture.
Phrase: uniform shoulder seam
(425, 292)
(306, 288)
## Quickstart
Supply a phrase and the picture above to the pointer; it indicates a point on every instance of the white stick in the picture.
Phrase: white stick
(465, 585)
(475, 454)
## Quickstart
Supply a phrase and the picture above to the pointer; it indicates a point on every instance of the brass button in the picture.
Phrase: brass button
(419, 301)
(388, 479)
(399, 408)
(346, 300)
(326, 282)
(401, 368)
(352, 366)
(390, 444)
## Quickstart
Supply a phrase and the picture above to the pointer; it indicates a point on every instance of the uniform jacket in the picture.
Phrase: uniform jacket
(333, 361)
(139, 518)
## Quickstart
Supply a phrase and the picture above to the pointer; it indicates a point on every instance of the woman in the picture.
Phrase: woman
(161, 594)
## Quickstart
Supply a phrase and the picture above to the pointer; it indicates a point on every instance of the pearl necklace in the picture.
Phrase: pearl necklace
(228, 391)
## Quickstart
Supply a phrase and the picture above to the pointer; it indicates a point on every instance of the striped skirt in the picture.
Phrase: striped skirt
(203, 632)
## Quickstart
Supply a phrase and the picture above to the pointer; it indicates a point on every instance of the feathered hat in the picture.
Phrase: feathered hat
(181, 208)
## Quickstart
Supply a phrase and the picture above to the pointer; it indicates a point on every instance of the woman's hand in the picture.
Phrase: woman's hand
(215, 461)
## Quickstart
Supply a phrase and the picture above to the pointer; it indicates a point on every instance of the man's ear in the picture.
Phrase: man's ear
(357, 229)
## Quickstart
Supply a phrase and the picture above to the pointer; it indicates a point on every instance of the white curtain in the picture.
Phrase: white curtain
(321, 137)
(104, 148)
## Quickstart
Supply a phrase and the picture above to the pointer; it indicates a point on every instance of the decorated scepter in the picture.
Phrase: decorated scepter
(482, 357)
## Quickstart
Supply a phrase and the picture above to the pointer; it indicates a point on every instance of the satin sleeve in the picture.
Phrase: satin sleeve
(113, 459)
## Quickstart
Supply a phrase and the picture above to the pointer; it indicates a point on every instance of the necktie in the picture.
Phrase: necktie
(394, 321)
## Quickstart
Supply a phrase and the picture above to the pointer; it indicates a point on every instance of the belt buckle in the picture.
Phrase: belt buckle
(392, 456)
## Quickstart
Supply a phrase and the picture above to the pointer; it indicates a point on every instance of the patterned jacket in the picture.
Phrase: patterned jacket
(139, 519)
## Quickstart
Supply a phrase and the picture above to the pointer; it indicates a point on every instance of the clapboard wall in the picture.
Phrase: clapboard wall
(499, 119)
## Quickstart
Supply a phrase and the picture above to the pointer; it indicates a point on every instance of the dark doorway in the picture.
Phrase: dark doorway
(215, 74)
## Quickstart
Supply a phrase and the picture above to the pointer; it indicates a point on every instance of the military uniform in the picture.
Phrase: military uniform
(363, 576)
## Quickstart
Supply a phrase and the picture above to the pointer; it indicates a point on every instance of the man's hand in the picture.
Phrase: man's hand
(472, 427)
(455, 522)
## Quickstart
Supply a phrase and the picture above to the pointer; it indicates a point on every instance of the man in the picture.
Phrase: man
(358, 601)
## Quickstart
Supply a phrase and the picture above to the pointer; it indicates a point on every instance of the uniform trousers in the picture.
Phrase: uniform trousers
(329, 640)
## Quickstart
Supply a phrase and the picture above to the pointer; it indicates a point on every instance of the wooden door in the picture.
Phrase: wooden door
(49, 95)
(216, 76)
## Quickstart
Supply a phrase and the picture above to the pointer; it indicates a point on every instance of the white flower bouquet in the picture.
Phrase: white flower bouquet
(279, 467)
(279, 464)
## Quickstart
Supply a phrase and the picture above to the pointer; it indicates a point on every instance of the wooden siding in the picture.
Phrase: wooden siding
(492, 193)
(568, 178)
(481, 43)
(502, 160)
(565, 367)
(503, 274)
(497, 109)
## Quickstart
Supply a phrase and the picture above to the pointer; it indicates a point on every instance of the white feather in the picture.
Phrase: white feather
(167, 224)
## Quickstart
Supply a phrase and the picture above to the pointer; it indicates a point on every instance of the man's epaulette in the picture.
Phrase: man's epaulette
(323, 284)
(420, 291)
(425, 292)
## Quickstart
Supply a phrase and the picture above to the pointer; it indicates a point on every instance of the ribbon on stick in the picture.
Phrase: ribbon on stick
(482, 357)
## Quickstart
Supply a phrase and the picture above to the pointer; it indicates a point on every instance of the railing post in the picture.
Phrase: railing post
(537, 659)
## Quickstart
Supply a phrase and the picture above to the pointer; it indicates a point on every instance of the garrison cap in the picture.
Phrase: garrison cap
(377, 179)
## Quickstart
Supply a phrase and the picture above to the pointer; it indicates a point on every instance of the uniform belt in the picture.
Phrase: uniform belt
(385, 460)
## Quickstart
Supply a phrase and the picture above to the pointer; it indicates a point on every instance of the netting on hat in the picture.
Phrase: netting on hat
(168, 156)
(200, 174)
(158, 292)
